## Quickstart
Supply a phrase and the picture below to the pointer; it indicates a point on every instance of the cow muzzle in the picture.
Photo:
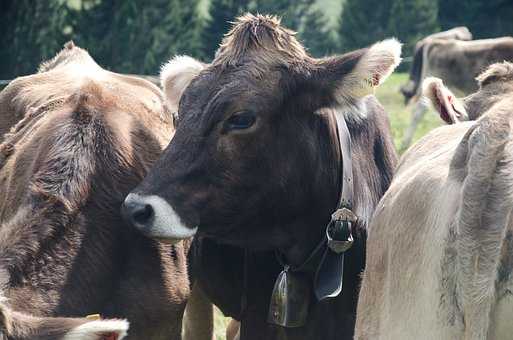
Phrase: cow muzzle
(155, 218)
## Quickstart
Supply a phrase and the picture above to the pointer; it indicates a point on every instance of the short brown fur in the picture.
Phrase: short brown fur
(79, 141)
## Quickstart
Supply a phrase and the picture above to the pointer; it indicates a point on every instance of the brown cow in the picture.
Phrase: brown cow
(255, 164)
(86, 138)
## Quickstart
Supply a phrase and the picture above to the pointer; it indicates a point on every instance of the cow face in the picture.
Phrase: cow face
(248, 140)
(494, 84)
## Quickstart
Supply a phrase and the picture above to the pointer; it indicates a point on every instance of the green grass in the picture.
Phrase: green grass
(220, 323)
(400, 115)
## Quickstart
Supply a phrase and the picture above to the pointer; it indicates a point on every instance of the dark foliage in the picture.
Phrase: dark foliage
(137, 36)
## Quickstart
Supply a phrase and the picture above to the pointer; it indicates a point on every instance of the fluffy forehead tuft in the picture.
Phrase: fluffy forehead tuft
(262, 34)
(496, 72)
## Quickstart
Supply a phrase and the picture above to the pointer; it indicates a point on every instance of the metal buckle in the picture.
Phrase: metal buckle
(339, 230)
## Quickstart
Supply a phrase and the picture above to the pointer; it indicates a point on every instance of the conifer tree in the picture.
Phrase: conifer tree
(32, 31)
(412, 20)
(363, 22)
(222, 13)
(314, 34)
(137, 36)
(485, 19)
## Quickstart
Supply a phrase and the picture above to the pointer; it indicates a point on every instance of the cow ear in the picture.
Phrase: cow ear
(99, 330)
(176, 75)
(356, 74)
(496, 72)
(444, 101)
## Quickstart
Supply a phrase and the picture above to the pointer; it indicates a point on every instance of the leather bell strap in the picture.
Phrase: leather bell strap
(291, 294)
(330, 272)
(344, 139)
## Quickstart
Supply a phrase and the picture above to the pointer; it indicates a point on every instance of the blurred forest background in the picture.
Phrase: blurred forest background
(137, 36)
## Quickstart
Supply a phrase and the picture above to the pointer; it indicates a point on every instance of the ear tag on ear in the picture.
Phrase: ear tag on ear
(93, 317)
(290, 299)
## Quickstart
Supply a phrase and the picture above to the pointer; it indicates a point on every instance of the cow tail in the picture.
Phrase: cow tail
(485, 207)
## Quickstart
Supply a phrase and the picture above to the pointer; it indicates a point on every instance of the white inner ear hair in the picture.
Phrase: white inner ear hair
(373, 68)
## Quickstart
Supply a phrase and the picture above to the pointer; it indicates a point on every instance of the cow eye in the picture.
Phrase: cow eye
(240, 121)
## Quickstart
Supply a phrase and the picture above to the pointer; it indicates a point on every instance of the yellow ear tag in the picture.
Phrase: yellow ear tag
(93, 317)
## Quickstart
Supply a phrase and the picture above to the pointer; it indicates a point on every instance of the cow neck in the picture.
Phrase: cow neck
(290, 297)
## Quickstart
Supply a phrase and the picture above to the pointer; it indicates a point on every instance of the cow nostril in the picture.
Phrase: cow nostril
(142, 214)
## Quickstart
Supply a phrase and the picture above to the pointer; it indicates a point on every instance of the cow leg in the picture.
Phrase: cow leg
(198, 321)
(418, 113)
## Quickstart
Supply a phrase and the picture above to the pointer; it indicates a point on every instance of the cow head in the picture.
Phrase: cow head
(494, 83)
(248, 150)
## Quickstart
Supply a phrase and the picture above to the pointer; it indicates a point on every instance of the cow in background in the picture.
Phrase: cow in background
(82, 138)
(440, 245)
(457, 62)
(411, 87)
(495, 84)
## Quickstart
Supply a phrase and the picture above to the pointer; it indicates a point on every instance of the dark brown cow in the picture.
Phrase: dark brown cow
(254, 164)
(86, 138)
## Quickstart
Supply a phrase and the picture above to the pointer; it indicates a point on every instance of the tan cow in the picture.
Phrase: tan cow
(82, 138)
(440, 246)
